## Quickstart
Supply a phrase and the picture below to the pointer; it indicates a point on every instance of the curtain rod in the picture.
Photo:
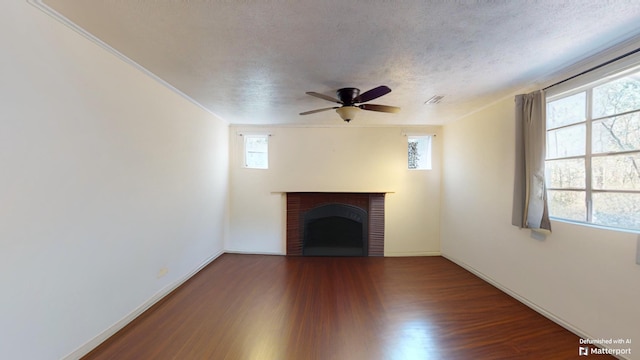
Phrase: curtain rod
(595, 68)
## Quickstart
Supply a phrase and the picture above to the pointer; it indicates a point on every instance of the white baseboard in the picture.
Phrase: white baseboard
(245, 252)
(565, 324)
(100, 338)
(411, 253)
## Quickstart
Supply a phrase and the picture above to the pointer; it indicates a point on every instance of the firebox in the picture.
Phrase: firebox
(335, 230)
(334, 223)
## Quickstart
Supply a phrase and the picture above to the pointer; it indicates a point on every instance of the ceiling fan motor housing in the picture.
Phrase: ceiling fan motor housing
(348, 95)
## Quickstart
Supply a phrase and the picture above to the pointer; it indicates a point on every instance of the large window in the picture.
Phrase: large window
(593, 153)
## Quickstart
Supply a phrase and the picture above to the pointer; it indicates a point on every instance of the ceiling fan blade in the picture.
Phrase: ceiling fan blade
(318, 110)
(372, 94)
(381, 108)
(323, 96)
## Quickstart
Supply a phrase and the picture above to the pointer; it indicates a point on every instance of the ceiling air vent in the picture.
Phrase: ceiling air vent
(435, 99)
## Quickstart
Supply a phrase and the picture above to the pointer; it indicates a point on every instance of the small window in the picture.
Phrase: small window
(419, 152)
(256, 151)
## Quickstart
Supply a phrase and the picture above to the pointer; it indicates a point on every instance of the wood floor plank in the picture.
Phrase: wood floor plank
(277, 307)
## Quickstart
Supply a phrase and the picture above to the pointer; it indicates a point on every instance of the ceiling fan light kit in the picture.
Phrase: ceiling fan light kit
(350, 98)
(347, 113)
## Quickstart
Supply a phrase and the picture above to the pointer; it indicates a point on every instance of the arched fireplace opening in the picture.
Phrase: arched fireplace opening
(335, 230)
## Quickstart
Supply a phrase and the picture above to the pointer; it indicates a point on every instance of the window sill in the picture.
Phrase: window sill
(596, 226)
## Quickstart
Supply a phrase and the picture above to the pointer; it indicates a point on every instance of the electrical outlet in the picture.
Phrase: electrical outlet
(162, 272)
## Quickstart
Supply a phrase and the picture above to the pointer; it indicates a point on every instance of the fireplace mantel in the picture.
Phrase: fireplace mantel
(298, 203)
(334, 191)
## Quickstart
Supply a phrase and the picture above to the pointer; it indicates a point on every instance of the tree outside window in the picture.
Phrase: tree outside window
(419, 152)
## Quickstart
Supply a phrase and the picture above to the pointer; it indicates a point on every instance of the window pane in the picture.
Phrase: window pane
(256, 153)
(621, 133)
(257, 160)
(419, 152)
(567, 204)
(565, 142)
(616, 209)
(616, 172)
(257, 144)
(569, 173)
(566, 111)
(617, 96)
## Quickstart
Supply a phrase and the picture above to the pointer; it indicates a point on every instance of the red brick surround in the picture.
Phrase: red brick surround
(298, 203)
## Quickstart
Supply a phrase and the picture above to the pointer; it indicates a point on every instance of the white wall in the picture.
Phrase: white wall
(584, 278)
(335, 159)
(106, 179)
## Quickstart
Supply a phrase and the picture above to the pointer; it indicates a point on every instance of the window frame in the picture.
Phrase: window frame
(589, 190)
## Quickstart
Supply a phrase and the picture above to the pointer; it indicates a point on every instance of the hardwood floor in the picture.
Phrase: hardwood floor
(277, 307)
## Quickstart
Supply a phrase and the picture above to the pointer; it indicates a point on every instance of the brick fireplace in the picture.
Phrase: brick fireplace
(350, 209)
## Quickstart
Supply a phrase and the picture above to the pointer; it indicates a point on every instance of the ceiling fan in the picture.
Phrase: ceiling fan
(350, 98)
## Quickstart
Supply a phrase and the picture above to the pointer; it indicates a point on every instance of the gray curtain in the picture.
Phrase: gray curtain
(530, 196)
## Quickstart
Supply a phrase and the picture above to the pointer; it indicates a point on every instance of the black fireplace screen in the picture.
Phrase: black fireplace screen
(335, 230)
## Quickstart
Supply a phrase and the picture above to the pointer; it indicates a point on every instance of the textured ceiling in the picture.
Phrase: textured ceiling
(251, 61)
